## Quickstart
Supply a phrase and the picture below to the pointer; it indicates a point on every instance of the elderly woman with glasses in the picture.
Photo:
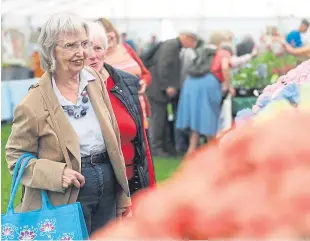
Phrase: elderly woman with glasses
(122, 56)
(123, 90)
(67, 122)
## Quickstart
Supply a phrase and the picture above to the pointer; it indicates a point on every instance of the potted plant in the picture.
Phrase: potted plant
(290, 62)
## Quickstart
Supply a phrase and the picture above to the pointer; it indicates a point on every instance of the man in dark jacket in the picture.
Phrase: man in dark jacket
(165, 88)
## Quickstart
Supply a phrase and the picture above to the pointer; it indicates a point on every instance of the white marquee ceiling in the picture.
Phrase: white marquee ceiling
(35, 12)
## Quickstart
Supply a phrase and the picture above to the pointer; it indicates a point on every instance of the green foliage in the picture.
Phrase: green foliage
(4, 65)
(250, 76)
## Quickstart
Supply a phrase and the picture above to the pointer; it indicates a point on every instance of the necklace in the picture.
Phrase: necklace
(80, 109)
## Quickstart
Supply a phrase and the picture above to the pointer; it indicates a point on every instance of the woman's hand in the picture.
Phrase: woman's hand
(254, 52)
(232, 91)
(142, 88)
(71, 177)
(229, 89)
(171, 92)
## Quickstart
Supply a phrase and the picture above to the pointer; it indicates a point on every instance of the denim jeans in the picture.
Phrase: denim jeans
(98, 195)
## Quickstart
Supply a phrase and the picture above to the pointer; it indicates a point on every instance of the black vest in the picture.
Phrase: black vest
(126, 90)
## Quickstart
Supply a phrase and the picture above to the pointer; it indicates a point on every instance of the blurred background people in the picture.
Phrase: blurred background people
(246, 46)
(301, 51)
(164, 89)
(151, 43)
(294, 38)
(130, 42)
(201, 97)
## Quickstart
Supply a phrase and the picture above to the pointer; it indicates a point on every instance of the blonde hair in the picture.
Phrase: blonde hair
(109, 27)
(217, 37)
(228, 35)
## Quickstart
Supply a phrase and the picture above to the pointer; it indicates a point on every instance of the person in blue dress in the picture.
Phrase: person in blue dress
(200, 100)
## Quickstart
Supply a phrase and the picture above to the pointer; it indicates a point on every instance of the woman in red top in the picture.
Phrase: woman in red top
(124, 96)
(122, 56)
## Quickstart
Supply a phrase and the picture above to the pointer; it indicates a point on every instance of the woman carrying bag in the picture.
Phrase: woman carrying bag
(61, 223)
(67, 122)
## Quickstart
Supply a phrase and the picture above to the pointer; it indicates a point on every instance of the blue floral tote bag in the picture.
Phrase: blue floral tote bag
(64, 222)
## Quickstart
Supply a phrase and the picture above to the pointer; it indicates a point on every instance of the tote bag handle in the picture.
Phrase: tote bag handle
(46, 204)
(16, 168)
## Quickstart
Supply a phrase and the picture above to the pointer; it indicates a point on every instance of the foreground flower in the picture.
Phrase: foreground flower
(252, 186)
(290, 92)
(244, 115)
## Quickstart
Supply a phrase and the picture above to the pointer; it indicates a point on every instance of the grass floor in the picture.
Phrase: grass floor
(163, 168)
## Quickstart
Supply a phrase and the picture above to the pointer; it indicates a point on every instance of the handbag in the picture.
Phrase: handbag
(65, 222)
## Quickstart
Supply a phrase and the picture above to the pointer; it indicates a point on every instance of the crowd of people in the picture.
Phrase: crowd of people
(107, 111)
(163, 68)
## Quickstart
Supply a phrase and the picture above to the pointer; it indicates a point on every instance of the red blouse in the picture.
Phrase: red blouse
(216, 67)
(127, 129)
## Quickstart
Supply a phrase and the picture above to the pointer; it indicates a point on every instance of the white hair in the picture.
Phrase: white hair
(58, 23)
(97, 31)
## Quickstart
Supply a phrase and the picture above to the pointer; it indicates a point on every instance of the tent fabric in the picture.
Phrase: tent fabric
(35, 12)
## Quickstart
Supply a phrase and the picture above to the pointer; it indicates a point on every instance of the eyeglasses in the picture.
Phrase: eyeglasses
(76, 45)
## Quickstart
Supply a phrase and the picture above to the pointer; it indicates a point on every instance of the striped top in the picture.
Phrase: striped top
(124, 58)
(121, 59)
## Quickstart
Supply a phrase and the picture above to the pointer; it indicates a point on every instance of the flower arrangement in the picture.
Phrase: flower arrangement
(263, 70)
(291, 90)
(253, 185)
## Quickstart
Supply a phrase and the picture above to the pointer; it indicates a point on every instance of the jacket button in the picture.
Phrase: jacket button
(116, 87)
(121, 91)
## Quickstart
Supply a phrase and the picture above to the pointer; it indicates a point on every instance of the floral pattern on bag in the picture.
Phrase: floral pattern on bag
(66, 236)
(7, 231)
(46, 228)
(27, 233)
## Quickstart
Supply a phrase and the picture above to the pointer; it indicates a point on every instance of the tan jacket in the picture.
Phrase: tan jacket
(33, 132)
